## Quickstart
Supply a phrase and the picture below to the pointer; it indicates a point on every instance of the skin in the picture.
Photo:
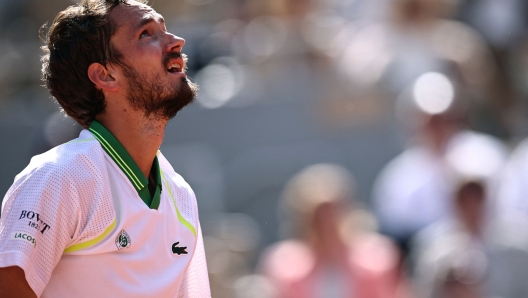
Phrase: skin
(143, 48)
(470, 207)
(327, 242)
(144, 41)
(13, 283)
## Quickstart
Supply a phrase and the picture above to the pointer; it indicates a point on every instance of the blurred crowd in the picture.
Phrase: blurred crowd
(447, 216)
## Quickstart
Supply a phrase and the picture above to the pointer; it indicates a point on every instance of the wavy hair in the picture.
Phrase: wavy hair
(79, 36)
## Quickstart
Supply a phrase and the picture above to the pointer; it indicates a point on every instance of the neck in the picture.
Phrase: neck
(141, 137)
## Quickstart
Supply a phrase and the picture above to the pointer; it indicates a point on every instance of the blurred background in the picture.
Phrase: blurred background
(337, 148)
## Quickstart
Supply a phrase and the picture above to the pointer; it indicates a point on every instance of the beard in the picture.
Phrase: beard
(156, 100)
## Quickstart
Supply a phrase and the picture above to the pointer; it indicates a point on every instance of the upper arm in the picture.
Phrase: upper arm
(13, 283)
(39, 219)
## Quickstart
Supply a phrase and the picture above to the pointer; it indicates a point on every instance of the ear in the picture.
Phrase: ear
(103, 77)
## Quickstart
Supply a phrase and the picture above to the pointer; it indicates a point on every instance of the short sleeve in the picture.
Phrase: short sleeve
(39, 219)
(195, 282)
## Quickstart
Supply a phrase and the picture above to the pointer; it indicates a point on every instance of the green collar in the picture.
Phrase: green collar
(129, 167)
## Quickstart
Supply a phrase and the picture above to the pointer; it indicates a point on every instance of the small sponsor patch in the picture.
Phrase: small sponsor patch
(26, 237)
(122, 240)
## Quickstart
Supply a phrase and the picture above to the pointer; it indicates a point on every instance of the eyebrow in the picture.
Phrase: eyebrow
(148, 20)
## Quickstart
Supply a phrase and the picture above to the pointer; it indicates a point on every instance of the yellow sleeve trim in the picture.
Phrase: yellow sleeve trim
(180, 217)
(92, 242)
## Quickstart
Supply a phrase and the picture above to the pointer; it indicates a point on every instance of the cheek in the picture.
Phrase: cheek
(148, 56)
(151, 49)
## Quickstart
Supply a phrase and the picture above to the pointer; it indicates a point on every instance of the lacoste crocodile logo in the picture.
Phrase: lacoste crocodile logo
(179, 250)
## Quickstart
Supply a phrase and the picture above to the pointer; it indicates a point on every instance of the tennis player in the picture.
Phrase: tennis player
(105, 215)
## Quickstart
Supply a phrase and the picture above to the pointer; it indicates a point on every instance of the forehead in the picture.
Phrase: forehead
(129, 16)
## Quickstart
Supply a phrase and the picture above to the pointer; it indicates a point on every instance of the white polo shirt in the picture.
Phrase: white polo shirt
(81, 222)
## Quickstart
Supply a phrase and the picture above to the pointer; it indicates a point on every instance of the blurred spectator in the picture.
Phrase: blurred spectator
(414, 189)
(332, 255)
(270, 71)
(417, 37)
(513, 187)
(452, 286)
(473, 254)
(503, 25)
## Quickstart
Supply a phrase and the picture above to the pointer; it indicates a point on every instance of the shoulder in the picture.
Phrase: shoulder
(79, 164)
(468, 142)
(373, 252)
(509, 230)
(170, 176)
(522, 147)
(68, 160)
(408, 168)
(519, 156)
(179, 191)
(410, 160)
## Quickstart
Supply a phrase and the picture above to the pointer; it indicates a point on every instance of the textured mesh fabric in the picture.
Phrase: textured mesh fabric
(55, 202)
(196, 280)
(185, 201)
(64, 198)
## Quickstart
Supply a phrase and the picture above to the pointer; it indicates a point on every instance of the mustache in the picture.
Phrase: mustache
(175, 55)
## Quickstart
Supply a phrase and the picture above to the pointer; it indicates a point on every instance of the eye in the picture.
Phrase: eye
(144, 34)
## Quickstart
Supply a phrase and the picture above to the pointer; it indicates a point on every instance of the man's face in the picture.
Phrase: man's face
(154, 67)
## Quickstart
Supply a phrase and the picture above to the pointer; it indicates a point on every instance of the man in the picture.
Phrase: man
(474, 253)
(414, 189)
(105, 215)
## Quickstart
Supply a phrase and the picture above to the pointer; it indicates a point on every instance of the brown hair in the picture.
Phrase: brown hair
(79, 36)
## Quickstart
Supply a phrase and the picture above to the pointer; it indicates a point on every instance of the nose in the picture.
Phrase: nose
(175, 43)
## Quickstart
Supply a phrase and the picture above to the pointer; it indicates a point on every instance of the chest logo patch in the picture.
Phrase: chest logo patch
(179, 250)
(122, 240)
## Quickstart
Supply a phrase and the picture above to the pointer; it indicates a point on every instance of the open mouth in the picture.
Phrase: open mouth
(174, 67)
(175, 63)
